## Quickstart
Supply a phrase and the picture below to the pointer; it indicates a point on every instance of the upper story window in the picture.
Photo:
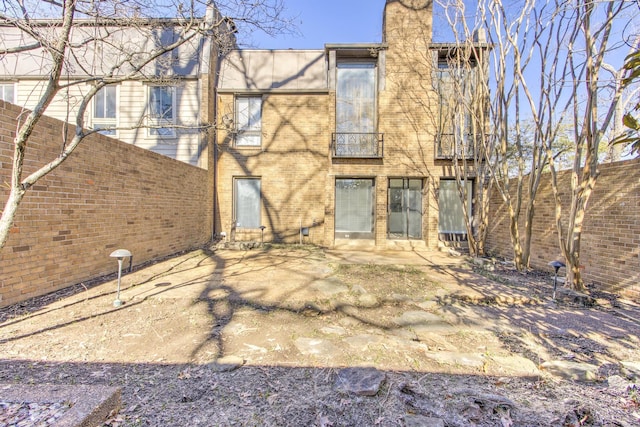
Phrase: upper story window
(105, 112)
(8, 92)
(162, 111)
(249, 121)
(356, 97)
(356, 116)
(454, 83)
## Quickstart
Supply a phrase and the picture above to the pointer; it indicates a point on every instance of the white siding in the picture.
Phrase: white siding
(132, 107)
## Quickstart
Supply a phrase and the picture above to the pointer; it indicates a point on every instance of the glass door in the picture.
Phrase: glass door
(405, 208)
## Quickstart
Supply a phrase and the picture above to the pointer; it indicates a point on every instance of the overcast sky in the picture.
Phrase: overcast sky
(327, 21)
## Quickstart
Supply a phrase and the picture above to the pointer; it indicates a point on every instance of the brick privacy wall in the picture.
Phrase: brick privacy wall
(106, 195)
(610, 243)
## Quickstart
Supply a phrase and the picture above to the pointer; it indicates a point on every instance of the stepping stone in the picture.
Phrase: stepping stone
(90, 405)
(227, 363)
(471, 360)
(571, 370)
(359, 381)
(417, 318)
(512, 365)
(330, 286)
(316, 347)
(631, 369)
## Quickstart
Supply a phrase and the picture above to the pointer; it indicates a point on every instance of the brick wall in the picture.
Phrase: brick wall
(610, 244)
(106, 195)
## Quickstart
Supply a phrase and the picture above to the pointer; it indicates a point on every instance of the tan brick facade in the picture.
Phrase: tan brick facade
(297, 170)
(106, 195)
(610, 248)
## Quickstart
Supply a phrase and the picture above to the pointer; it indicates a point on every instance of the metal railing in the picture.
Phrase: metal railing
(447, 148)
(357, 145)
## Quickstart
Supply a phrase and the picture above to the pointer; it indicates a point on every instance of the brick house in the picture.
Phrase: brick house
(338, 146)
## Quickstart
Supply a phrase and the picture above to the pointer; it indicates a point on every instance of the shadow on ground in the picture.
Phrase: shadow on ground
(447, 338)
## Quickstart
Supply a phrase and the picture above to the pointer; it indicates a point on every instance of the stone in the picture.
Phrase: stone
(330, 286)
(227, 363)
(454, 358)
(368, 300)
(422, 421)
(315, 347)
(617, 384)
(631, 369)
(417, 318)
(571, 296)
(571, 370)
(512, 365)
(359, 381)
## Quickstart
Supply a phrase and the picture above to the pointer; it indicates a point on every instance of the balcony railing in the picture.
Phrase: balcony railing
(357, 145)
(447, 148)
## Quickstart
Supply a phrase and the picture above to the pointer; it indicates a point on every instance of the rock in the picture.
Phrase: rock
(571, 296)
(571, 370)
(631, 369)
(454, 358)
(329, 286)
(415, 318)
(227, 363)
(368, 300)
(316, 347)
(422, 421)
(512, 365)
(359, 381)
(617, 384)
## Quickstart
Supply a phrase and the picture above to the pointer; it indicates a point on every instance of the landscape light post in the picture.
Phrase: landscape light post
(121, 254)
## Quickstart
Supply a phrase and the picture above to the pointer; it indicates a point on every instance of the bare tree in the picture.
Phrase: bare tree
(587, 29)
(544, 78)
(109, 42)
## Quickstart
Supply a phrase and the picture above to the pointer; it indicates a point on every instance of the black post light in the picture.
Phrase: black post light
(557, 265)
(121, 254)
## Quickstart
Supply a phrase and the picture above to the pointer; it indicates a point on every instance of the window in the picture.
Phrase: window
(247, 202)
(8, 92)
(354, 208)
(162, 106)
(451, 216)
(249, 121)
(454, 84)
(356, 98)
(356, 110)
(104, 110)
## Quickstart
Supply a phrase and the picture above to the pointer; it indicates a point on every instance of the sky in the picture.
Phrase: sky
(327, 21)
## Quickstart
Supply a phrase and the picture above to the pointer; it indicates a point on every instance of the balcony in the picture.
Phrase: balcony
(447, 148)
(357, 145)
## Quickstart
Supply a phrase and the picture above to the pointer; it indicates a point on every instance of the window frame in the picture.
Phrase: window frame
(14, 90)
(356, 63)
(256, 223)
(454, 135)
(106, 121)
(155, 127)
(242, 129)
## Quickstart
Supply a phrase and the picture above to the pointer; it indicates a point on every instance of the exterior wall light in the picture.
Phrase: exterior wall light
(121, 254)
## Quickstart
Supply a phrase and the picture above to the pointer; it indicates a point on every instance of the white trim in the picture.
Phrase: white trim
(15, 91)
(107, 121)
(161, 133)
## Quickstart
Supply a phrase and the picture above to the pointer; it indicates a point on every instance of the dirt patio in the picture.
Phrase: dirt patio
(457, 347)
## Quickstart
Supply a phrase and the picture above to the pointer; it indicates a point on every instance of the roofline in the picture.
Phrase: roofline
(354, 46)
(106, 22)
